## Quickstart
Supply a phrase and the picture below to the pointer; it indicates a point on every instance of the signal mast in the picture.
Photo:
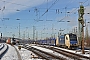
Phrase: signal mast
(81, 27)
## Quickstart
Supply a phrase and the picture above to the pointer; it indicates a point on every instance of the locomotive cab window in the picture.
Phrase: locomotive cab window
(66, 38)
(73, 37)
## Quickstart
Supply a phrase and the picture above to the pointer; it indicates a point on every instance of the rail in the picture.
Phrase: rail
(19, 56)
(3, 50)
(67, 53)
(43, 54)
(1, 46)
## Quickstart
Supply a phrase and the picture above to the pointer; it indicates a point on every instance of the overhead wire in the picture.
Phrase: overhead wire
(19, 5)
(66, 10)
(35, 7)
(85, 1)
(49, 8)
(15, 3)
(46, 8)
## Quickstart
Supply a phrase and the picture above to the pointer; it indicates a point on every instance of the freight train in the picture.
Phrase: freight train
(67, 41)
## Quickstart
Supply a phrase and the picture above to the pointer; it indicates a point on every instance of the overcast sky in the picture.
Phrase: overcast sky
(43, 14)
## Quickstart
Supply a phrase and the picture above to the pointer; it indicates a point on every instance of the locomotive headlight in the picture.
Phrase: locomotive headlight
(76, 43)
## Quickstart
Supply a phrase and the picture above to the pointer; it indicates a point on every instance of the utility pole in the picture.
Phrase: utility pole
(81, 26)
(61, 31)
(19, 30)
(36, 35)
(87, 34)
(41, 35)
(52, 30)
(27, 32)
(24, 35)
(33, 32)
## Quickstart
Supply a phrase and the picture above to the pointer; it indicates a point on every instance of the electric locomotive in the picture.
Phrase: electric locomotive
(67, 40)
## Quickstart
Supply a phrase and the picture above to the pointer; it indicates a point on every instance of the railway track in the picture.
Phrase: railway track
(44, 55)
(3, 50)
(1, 46)
(19, 57)
(68, 54)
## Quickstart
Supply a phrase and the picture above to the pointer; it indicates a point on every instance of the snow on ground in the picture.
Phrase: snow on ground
(10, 54)
(79, 51)
(52, 52)
(26, 54)
(4, 47)
(1, 45)
(87, 52)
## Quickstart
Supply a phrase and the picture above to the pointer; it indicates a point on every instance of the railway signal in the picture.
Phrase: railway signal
(1, 35)
(81, 26)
